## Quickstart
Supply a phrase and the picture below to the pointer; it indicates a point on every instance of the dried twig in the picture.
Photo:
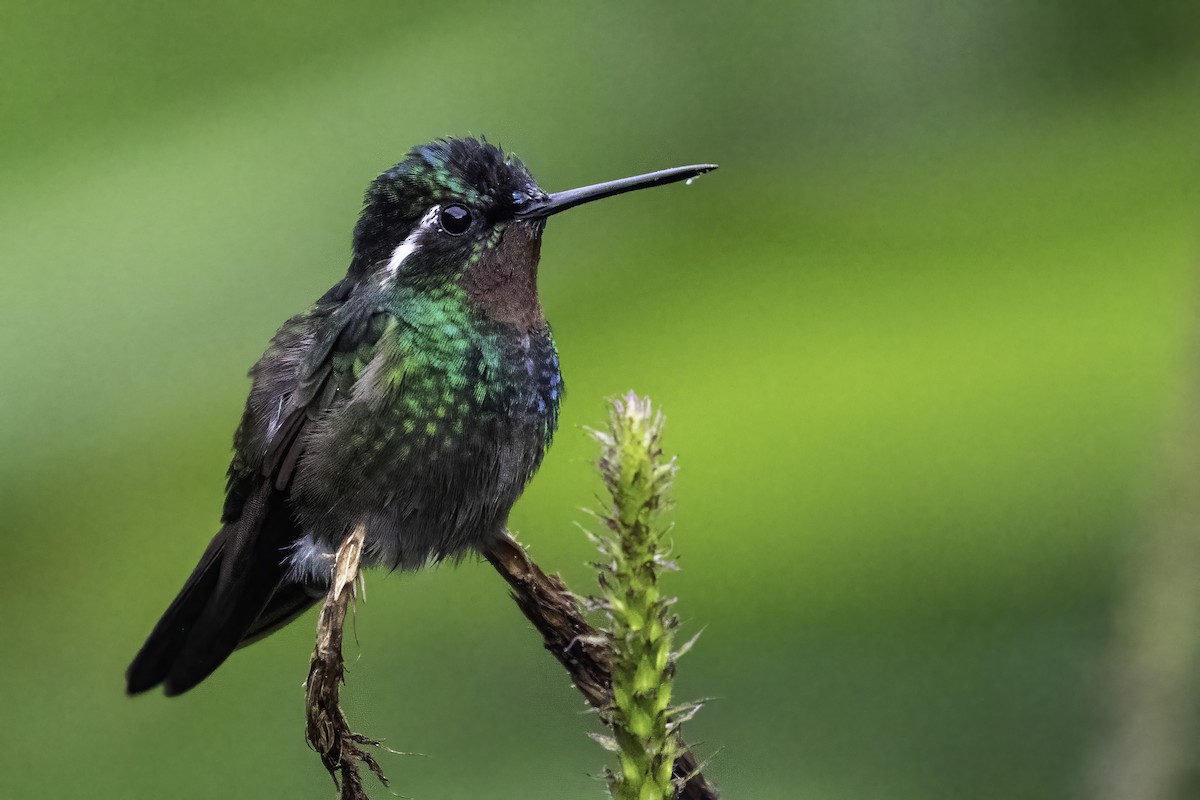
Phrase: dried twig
(327, 730)
(1148, 752)
(556, 613)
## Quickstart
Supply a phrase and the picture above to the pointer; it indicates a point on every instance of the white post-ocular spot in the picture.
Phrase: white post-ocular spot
(411, 244)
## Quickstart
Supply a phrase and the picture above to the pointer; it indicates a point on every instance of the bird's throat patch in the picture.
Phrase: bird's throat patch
(503, 282)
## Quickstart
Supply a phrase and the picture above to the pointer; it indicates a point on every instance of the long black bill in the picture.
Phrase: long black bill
(561, 201)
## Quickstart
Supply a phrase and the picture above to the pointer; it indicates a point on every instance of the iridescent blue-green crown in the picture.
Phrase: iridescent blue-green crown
(470, 171)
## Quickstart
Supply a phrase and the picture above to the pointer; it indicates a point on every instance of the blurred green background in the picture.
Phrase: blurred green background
(916, 340)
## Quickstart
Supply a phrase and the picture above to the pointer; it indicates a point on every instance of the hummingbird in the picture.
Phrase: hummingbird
(415, 398)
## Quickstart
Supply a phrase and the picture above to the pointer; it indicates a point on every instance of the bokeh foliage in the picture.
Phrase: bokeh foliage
(914, 340)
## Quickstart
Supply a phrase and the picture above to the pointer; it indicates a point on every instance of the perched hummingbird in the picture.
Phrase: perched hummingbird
(415, 398)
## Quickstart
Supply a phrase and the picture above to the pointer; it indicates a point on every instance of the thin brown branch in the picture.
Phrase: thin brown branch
(558, 616)
(327, 730)
(1148, 752)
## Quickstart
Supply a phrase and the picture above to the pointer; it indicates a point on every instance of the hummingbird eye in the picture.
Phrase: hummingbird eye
(455, 219)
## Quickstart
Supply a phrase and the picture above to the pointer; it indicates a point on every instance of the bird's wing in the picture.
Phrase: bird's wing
(308, 370)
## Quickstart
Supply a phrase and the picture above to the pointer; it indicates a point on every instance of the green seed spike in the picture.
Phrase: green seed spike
(640, 626)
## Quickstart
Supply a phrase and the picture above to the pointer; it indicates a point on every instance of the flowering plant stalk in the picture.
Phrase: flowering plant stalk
(640, 626)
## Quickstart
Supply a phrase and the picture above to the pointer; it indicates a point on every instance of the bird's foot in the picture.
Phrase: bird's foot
(327, 731)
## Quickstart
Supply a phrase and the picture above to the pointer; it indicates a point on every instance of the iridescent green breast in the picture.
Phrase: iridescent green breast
(448, 418)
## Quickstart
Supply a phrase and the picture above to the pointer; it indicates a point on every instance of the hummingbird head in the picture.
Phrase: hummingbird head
(462, 213)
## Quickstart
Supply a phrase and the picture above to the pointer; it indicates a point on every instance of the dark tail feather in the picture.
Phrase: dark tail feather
(289, 601)
(153, 661)
(234, 584)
